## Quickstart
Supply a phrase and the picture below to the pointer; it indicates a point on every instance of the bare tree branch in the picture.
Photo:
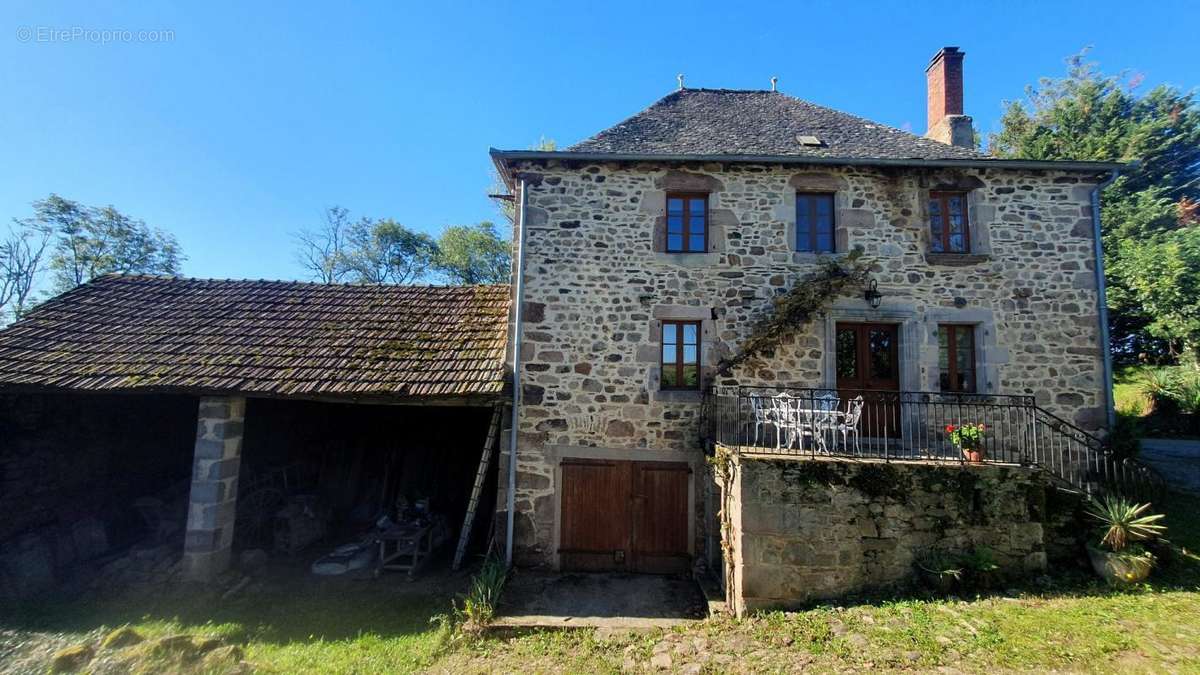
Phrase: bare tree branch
(321, 250)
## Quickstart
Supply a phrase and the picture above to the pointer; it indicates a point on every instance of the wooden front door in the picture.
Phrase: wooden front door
(868, 365)
(624, 516)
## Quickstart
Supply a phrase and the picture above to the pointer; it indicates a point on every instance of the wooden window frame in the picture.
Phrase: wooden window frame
(812, 215)
(679, 360)
(943, 199)
(952, 363)
(687, 221)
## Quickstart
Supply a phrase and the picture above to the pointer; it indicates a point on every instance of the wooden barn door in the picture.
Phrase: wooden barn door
(660, 517)
(624, 516)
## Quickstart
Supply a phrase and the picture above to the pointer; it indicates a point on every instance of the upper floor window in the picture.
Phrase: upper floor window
(956, 357)
(687, 222)
(814, 222)
(680, 355)
(949, 232)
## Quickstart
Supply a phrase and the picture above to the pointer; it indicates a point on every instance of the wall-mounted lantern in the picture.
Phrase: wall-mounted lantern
(872, 294)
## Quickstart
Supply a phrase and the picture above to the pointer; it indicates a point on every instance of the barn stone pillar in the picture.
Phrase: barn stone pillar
(208, 543)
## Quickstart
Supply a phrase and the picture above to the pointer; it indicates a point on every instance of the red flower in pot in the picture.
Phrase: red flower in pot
(968, 438)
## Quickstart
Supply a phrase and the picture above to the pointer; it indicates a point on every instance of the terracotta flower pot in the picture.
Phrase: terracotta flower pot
(973, 455)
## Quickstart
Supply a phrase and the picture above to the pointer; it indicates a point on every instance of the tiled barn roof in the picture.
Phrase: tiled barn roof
(270, 338)
(760, 123)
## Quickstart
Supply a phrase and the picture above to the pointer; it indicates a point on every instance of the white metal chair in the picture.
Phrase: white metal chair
(849, 423)
(762, 409)
(784, 415)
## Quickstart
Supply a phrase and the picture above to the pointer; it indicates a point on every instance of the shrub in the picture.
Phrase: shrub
(478, 605)
(1174, 390)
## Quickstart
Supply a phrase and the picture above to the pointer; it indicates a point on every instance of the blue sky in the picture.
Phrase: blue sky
(253, 117)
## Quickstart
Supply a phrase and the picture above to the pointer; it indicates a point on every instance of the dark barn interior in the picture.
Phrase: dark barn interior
(73, 468)
(86, 478)
(359, 462)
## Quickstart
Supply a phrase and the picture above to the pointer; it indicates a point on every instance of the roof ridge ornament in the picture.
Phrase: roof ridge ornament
(680, 78)
(774, 83)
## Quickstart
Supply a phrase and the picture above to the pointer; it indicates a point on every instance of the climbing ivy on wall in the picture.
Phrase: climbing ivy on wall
(798, 306)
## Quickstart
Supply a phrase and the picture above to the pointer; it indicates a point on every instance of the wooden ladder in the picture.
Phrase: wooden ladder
(485, 462)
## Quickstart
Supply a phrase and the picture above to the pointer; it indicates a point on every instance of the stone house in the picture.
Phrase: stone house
(648, 251)
(646, 256)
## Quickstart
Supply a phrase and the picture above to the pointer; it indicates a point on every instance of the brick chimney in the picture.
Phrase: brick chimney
(944, 78)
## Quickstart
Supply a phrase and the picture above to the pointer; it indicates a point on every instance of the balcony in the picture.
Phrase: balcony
(917, 426)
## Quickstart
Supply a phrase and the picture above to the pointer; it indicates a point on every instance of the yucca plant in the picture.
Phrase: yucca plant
(1124, 522)
(1161, 386)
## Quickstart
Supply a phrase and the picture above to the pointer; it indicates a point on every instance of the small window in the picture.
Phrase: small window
(687, 222)
(681, 355)
(814, 222)
(949, 232)
(956, 358)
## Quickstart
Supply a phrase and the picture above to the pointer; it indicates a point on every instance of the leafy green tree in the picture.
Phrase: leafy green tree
(473, 254)
(90, 241)
(1162, 277)
(1091, 116)
(386, 252)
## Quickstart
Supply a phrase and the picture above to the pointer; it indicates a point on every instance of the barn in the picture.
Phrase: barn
(190, 413)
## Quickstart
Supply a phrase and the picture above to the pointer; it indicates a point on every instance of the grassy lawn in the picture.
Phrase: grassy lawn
(299, 625)
(1128, 395)
(1068, 622)
(293, 624)
(1135, 407)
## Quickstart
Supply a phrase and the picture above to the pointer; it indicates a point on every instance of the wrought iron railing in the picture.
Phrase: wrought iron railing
(892, 425)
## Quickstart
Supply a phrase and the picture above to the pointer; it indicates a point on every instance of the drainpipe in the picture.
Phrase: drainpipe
(516, 389)
(1110, 409)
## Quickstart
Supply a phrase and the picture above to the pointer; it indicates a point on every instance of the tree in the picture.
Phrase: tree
(386, 252)
(1162, 277)
(21, 257)
(321, 250)
(473, 254)
(89, 242)
(1090, 116)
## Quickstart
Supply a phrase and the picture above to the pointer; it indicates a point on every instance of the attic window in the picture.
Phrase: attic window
(810, 141)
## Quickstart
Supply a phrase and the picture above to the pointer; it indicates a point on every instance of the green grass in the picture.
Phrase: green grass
(1135, 407)
(298, 625)
(1068, 621)
(1128, 395)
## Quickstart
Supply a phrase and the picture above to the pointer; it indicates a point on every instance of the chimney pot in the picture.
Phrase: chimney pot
(944, 79)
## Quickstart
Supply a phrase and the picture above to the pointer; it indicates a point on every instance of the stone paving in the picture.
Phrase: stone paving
(598, 600)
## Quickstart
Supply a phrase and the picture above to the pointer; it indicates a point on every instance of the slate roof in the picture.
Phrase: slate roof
(273, 338)
(760, 123)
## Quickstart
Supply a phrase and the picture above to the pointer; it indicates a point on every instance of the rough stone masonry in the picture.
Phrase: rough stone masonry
(809, 530)
(599, 284)
(212, 507)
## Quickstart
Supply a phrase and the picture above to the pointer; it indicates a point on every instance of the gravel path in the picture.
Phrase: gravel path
(1177, 460)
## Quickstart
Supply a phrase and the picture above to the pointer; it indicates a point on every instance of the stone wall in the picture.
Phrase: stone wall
(809, 530)
(597, 288)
